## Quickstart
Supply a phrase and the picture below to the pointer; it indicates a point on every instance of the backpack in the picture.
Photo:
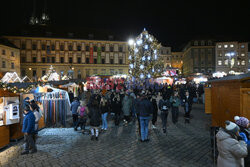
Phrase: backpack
(82, 111)
(164, 106)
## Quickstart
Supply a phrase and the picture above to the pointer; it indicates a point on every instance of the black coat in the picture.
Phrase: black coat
(95, 116)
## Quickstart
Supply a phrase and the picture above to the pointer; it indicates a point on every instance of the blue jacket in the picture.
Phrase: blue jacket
(29, 123)
(74, 106)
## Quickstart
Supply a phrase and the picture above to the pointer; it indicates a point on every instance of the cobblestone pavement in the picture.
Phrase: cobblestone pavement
(184, 145)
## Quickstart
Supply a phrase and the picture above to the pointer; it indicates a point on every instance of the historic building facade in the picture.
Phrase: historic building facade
(80, 57)
(177, 61)
(9, 57)
(199, 57)
(232, 57)
(166, 55)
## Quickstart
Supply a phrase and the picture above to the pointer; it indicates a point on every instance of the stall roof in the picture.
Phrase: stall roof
(241, 77)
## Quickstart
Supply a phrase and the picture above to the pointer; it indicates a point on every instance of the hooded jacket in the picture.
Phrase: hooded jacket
(29, 123)
(231, 151)
(126, 105)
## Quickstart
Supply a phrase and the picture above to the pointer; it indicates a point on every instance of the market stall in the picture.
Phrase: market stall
(164, 80)
(73, 87)
(10, 128)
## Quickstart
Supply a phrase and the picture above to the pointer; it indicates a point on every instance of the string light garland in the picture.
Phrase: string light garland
(14, 89)
(144, 57)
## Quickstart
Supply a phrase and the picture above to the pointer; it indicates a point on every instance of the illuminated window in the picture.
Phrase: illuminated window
(231, 46)
(3, 52)
(195, 43)
(225, 46)
(219, 62)
(12, 54)
(243, 63)
(242, 54)
(220, 54)
(226, 62)
(219, 46)
(242, 46)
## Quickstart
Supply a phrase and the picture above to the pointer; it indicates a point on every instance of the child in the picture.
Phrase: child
(82, 116)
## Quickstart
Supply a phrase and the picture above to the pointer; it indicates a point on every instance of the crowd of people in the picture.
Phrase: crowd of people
(126, 105)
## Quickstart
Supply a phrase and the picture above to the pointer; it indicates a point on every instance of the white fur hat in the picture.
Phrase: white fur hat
(232, 127)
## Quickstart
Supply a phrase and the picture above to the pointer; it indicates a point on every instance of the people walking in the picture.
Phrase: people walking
(95, 119)
(38, 116)
(187, 104)
(74, 106)
(28, 130)
(175, 101)
(164, 106)
(155, 111)
(126, 108)
(232, 149)
(144, 109)
(104, 111)
(82, 116)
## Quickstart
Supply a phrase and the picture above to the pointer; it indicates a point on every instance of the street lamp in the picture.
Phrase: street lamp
(131, 42)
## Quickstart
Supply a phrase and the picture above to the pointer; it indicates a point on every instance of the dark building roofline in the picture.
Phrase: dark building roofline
(6, 42)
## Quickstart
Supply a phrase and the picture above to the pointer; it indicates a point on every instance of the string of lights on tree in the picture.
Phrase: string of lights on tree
(144, 57)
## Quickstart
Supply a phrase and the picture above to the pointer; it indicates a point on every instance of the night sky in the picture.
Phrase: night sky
(172, 23)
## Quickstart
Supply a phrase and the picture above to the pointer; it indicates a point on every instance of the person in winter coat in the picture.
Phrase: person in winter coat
(116, 108)
(187, 104)
(232, 149)
(126, 108)
(244, 124)
(104, 112)
(95, 119)
(36, 110)
(28, 130)
(26, 102)
(155, 111)
(74, 106)
(144, 110)
(175, 101)
(164, 107)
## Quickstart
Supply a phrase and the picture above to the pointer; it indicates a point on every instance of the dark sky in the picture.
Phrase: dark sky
(173, 22)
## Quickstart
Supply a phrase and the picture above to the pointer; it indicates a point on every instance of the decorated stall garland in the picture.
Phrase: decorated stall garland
(14, 89)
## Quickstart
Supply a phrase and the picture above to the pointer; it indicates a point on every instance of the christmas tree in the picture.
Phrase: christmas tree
(144, 57)
(51, 75)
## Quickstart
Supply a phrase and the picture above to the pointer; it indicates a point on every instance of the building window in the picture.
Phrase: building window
(48, 59)
(70, 47)
(243, 63)
(112, 71)
(195, 43)
(219, 62)
(43, 60)
(225, 46)
(3, 52)
(242, 54)
(95, 48)
(53, 47)
(61, 47)
(33, 46)
(226, 62)
(242, 46)
(103, 61)
(87, 48)
(3, 64)
(48, 48)
(34, 73)
(87, 60)
(12, 54)
(70, 60)
(111, 61)
(202, 43)
(79, 75)
(111, 49)
(95, 71)
(53, 60)
(33, 59)
(219, 46)
(103, 48)
(231, 46)
(23, 73)
(209, 43)
(12, 65)
(43, 46)
(120, 49)
(95, 61)
(79, 60)
(23, 59)
(62, 60)
(87, 72)
(120, 61)
(23, 46)
(79, 48)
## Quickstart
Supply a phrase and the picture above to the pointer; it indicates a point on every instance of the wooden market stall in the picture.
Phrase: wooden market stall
(7, 132)
(230, 96)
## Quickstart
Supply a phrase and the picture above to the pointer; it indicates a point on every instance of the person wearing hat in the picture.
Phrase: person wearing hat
(28, 130)
(243, 123)
(232, 149)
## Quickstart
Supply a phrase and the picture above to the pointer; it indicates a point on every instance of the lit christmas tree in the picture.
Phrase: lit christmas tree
(144, 57)
(51, 75)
